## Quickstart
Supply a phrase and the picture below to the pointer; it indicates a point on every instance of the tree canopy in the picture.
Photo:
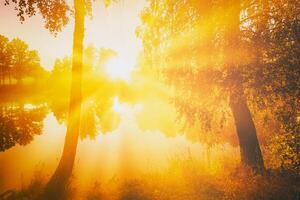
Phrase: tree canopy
(18, 61)
(198, 51)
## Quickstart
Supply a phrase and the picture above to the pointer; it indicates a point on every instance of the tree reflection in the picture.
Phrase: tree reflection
(98, 92)
(19, 124)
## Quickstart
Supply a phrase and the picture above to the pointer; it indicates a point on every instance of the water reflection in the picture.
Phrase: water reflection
(97, 115)
(20, 163)
(19, 123)
(32, 137)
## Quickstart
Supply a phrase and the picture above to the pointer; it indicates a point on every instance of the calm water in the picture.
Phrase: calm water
(127, 150)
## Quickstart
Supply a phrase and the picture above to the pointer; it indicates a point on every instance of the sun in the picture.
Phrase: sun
(119, 68)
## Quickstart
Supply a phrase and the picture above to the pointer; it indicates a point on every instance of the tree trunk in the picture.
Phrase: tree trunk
(1, 75)
(55, 189)
(246, 132)
(249, 147)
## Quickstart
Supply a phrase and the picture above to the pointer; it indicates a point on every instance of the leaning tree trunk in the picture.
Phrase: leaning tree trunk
(55, 189)
(246, 132)
(249, 147)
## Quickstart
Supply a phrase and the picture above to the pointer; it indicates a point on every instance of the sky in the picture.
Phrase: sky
(112, 27)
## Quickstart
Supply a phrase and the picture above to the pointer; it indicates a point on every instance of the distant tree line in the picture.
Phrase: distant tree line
(18, 62)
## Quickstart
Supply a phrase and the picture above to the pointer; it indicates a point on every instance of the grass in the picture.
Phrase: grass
(184, 179)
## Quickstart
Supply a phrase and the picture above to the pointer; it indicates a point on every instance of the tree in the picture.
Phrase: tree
(3, 58)
(206, 52)
(57, 183)
(18, 61)
(197, 74)
(273, 35)
(56, 14)
(22, 61)
(250, 150)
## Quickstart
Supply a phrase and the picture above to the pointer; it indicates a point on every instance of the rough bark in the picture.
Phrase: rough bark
(55, 188)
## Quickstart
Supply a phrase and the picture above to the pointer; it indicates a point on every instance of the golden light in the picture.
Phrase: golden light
(118, 107)
(29, 106)
(118, 68)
